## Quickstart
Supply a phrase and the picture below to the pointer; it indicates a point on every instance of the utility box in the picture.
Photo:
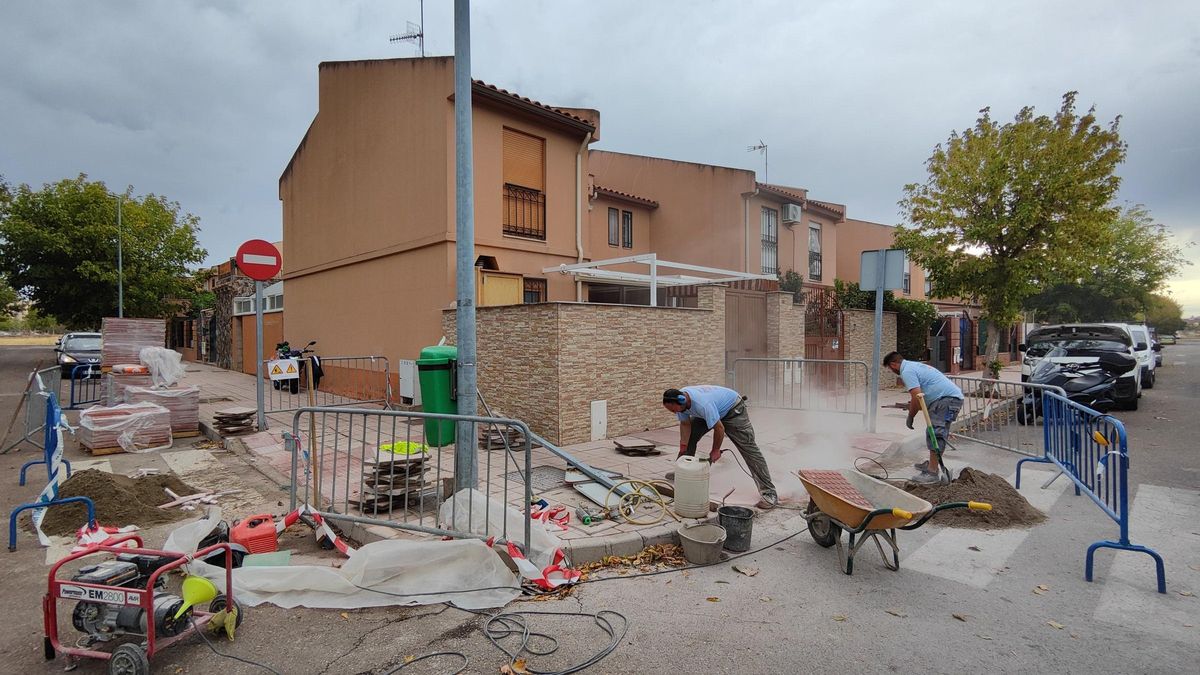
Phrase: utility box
(498, 288)
(437, 370)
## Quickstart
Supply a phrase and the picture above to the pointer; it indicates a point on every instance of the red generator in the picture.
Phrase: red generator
(256, 533)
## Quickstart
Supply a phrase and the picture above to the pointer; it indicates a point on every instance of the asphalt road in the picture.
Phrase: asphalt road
(963, 601)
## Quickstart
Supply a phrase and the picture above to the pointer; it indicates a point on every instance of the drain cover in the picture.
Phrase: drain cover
(542, 477)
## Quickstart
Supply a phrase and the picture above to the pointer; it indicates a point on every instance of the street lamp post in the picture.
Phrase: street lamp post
(120, 264)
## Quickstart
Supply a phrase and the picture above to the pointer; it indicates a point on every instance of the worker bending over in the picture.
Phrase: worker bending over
(943, 398)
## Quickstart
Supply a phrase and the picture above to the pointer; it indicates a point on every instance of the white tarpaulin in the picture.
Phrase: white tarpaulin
(373, 575)
(472, 511)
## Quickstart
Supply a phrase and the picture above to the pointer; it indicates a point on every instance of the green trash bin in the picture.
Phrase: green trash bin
(437, 370)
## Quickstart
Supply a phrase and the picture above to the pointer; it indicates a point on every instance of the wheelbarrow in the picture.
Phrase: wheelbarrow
(867, 509)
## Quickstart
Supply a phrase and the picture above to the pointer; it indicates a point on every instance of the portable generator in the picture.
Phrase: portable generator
(102, 621)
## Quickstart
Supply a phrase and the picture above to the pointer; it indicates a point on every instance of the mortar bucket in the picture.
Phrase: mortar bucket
(702, 543)
(738, 522)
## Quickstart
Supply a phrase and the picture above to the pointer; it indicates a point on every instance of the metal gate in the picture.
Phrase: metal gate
(824, 325)
(745, 327)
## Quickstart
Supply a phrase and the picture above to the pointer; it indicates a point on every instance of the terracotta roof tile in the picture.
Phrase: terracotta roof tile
(527, 100)
(626, 196)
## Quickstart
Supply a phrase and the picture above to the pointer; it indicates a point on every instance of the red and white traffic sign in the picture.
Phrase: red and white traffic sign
(259, 259)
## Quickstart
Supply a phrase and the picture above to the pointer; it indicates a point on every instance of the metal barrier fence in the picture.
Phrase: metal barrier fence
(805, 384)
(366, 466)
(86, 386)
(1091, 449)
(53, 458)
(42, 384)
(346, 381)
(1002, 414)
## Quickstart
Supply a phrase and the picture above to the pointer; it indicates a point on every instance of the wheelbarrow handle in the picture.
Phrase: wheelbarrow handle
(899, 513)
(974, 506)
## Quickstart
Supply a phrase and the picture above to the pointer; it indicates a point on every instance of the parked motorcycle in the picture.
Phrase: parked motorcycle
(1089, 384)
(283, 350)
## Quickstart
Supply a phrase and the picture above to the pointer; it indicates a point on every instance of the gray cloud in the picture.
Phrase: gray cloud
(204, 101)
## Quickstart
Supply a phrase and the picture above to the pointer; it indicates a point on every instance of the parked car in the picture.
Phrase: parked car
(1145, 349)
(1168, 340)
(76, 349)
(1084, 343)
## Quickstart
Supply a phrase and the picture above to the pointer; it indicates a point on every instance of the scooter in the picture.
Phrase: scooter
(1088, 384)
(283, 350)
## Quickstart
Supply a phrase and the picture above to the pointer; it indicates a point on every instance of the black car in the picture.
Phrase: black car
(79, 349)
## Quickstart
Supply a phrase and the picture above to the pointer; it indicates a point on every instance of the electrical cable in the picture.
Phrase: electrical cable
(402, 666)
(231, 656)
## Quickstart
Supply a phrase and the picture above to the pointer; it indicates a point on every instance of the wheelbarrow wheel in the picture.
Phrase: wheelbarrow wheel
(822, 529)
(128, 659)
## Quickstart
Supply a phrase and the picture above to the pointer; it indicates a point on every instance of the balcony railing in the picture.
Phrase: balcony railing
(524, 212)
(814, 265)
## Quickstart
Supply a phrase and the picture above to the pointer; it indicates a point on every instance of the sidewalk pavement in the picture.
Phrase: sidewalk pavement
(790, 440)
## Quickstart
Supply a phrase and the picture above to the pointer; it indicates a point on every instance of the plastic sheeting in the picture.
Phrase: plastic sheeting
(166, 365)
(134, 427)
(373, 576)
(472, 511)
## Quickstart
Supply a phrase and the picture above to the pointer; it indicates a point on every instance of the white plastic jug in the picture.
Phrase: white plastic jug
(691, 487)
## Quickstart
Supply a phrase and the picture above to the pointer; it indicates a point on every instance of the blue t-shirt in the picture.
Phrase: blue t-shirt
(709, 403)
(932, 382)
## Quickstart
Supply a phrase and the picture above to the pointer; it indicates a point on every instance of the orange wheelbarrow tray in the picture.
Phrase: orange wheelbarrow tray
(846, 499)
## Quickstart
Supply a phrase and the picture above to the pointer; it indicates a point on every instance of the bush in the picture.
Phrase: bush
(913, 317)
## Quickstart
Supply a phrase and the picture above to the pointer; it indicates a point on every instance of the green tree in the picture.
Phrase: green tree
(8, 298)
(1008, 209)
(1164, 314)
(58, 247)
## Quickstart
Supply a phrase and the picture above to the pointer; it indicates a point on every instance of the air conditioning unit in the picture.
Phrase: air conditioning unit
(791, 213)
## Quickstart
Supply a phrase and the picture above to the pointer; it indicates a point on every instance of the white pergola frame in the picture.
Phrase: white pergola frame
(591, 271)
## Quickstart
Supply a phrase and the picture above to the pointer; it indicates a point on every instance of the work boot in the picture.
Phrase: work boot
(926, 478)
(768, 502)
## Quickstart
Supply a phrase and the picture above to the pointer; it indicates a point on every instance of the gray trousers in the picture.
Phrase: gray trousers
(738, 429)
(942, 413)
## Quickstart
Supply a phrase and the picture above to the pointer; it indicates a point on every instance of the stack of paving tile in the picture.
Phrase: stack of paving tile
(182, 402)
(148, 426)
(396, 481)
(113, 393)
(493, 438)
(232, 421)
(124, 339)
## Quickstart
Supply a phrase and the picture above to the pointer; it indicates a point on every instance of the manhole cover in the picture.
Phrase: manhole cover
(542, 478)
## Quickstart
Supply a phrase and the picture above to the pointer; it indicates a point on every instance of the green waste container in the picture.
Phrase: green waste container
(437, 370)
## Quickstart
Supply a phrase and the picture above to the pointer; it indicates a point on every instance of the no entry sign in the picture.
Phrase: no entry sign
(259, 259)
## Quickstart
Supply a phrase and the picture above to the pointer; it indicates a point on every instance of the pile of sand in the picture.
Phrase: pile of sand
(1009, 508)
(119, 500)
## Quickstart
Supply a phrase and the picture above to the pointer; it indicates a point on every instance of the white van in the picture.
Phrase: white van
(1144, 349)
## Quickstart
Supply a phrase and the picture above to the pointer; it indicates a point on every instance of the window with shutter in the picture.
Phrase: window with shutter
(614, 227)
(524, 184)
(627, 229)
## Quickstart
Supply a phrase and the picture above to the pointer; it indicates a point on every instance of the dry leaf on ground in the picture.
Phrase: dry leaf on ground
(748, 571)
(983, 637)
(840, 617)
(974, 548)
(1055, 624)
(1041, 589)
(713, 599)
(345, 616)
(516, 668)
(1186, 594)
(960, 617)
(896, 612)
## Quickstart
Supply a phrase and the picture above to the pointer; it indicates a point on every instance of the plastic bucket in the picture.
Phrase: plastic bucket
(702, 543)
(738, 522)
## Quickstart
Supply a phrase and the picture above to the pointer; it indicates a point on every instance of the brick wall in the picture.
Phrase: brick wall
(546, 363)
(860, 336)
(785, 326)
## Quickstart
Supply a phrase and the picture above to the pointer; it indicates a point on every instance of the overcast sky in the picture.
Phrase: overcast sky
(204, 100)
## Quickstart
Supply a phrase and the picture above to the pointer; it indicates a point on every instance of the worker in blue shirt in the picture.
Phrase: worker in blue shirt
(943, 398)
(702, 408)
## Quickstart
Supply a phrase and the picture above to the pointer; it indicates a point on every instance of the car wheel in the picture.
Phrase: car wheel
(1149, 380)
(1131, 404)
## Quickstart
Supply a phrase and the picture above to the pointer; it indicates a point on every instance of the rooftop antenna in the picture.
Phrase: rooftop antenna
(413, 32)
(762, 147)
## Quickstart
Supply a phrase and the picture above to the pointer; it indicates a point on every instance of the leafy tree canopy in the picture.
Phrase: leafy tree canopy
(1009, 209)
(1138, 258)
(1165, 314)
(58, 247)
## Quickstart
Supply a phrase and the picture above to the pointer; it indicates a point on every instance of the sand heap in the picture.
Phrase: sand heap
(1009, 508)
(119, 500)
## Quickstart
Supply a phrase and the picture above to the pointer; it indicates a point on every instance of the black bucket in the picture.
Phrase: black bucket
(738, 522)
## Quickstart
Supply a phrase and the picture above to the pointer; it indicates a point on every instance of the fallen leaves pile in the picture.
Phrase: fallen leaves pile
(651, 559)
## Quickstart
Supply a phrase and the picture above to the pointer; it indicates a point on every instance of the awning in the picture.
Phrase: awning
(590, 271)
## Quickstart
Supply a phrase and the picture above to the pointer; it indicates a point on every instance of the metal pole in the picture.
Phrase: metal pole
(258, 354)
(654, 281)
(876, 347)
(465, 462)
(422, 38)
(120, 264)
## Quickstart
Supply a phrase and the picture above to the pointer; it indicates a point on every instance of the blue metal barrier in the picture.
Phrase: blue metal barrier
(85, 386)
(50, 443)
(1091, 449)
(12, 517)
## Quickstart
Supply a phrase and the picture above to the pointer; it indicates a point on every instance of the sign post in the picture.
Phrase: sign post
(260, 261)
(881, 271)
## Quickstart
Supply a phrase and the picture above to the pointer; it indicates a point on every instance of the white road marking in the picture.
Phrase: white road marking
(947, 554)
(1163, 519)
